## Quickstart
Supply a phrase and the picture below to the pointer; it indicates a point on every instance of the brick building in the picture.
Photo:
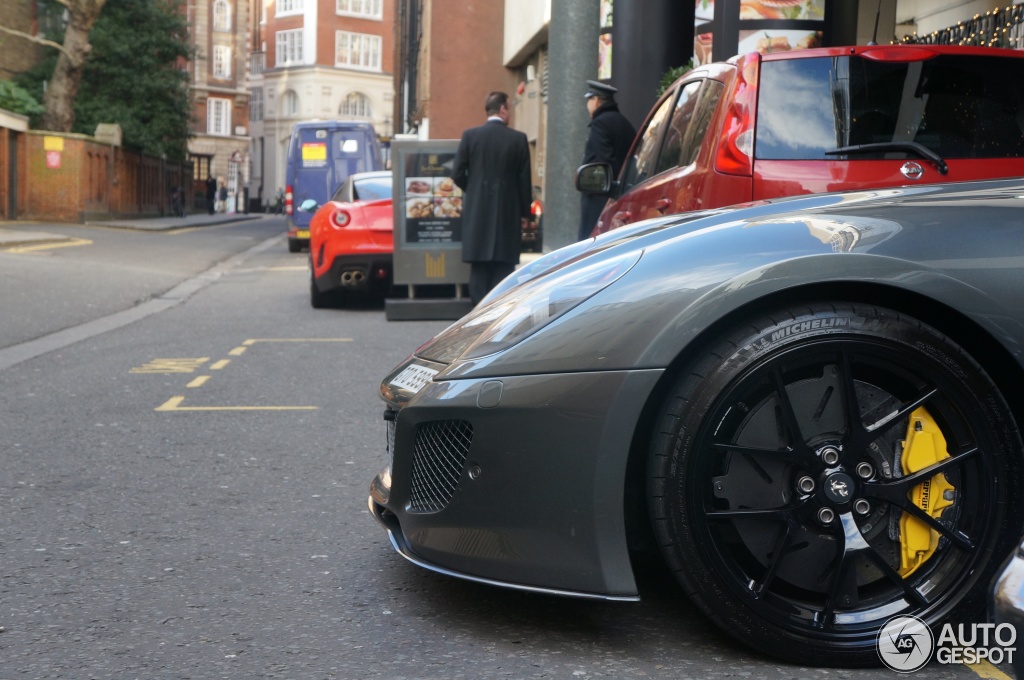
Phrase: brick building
(219, 32)
(315, 59)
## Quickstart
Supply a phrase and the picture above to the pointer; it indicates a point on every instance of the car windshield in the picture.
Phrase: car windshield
(956, 106)
(372, 188)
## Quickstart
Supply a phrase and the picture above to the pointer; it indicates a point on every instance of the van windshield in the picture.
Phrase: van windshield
(957, 106)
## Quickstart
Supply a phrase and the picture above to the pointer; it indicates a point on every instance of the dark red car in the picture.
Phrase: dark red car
(820, 120)
(350, 241)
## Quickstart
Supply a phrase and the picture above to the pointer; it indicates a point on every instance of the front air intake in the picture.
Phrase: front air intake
(439, 457)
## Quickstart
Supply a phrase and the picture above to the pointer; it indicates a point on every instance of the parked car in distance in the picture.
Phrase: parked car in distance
(321, 154)
(533, 229)
(350, 240)
(810, 406)
(819, 120)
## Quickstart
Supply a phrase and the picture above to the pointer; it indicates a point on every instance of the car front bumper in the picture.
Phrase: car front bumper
(515, 481)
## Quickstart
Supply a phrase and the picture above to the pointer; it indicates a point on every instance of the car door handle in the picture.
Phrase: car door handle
(663, 205)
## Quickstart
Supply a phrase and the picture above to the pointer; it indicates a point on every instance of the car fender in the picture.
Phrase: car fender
(686, 284)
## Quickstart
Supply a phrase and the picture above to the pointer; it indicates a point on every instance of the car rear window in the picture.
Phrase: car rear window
(372, 188)
(958, 106)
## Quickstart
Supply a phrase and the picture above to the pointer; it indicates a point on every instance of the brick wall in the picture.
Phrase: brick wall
(73, 178)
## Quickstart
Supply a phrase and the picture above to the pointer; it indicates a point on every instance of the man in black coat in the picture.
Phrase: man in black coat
(211, 193)
(611, 135)
(492, 167)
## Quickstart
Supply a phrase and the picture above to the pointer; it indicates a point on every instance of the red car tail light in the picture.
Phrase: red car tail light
(340, 218)
(288, 200)
(736, 145)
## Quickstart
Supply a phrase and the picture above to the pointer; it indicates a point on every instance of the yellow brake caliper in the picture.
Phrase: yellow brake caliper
(924, 446)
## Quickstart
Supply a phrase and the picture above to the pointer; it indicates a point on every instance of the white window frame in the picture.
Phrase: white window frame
(221, 15)
(289, 47)
(221, 61)
(361, 51)
(218, 117)
(356, 104)
(290, 104)
(256, 104)
(287, 7)
(364, 9)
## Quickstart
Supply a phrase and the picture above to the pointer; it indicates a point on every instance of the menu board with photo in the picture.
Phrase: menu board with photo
(427, 212)
(723, 28)
(431, 202)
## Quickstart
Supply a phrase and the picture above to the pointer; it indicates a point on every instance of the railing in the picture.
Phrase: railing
(997, 28)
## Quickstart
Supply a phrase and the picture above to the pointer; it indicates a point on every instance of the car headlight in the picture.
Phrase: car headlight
(520, 313)
(539, 266)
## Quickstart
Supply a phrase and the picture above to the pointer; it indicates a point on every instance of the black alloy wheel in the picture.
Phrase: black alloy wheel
(823, 469)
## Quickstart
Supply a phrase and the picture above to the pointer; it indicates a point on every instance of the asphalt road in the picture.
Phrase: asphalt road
(186, 451)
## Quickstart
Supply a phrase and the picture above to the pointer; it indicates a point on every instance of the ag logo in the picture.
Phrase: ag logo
(905, 644)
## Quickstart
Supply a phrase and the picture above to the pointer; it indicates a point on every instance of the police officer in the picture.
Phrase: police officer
(611, 135)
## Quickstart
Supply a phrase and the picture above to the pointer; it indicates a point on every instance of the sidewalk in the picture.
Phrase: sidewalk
(24, 233)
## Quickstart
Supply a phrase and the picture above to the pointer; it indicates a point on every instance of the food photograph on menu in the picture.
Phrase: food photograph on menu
(767, 42)
(419, 186)
(433, 203)
(793, 10)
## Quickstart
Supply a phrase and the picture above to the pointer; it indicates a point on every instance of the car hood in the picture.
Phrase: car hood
(691, 267)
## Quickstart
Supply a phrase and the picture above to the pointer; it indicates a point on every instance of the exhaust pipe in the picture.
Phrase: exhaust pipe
(352, 277)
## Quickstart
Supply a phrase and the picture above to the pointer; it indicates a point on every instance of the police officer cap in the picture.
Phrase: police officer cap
(598, 89)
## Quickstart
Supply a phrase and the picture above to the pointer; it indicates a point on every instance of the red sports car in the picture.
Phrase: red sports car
(350, 243)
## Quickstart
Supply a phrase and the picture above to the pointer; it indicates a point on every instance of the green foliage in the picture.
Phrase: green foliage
(19, 100)
(672, 75)
(134, 76)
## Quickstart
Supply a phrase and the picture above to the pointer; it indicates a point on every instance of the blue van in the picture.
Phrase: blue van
(321, 154)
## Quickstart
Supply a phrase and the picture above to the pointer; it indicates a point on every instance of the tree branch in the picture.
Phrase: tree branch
(34, 38)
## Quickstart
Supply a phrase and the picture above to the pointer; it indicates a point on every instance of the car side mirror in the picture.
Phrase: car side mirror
(309, 205)
(594, 178)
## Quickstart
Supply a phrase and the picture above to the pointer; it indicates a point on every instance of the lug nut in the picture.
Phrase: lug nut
(830, 455)
(805, 484)
(865, 470)
(826, 515)
(861, 506)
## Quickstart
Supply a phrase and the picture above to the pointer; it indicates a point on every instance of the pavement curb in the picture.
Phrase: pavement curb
(18, 234)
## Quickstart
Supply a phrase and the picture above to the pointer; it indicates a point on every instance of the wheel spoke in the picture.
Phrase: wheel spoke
(916, 478)
(896, 416)
(787, 454)
(858, 433)
(781, 546)
(912, 593)
(789, 421)
(843, 591)
(958, 538)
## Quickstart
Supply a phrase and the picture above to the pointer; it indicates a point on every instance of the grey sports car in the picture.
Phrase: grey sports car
(810, 406)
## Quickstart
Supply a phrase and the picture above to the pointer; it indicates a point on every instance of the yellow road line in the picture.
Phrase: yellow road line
(48, 246)
(217, 365)
(986, 670)
(174, 404)
(171, 365)
(198, 382)
(237, 352)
